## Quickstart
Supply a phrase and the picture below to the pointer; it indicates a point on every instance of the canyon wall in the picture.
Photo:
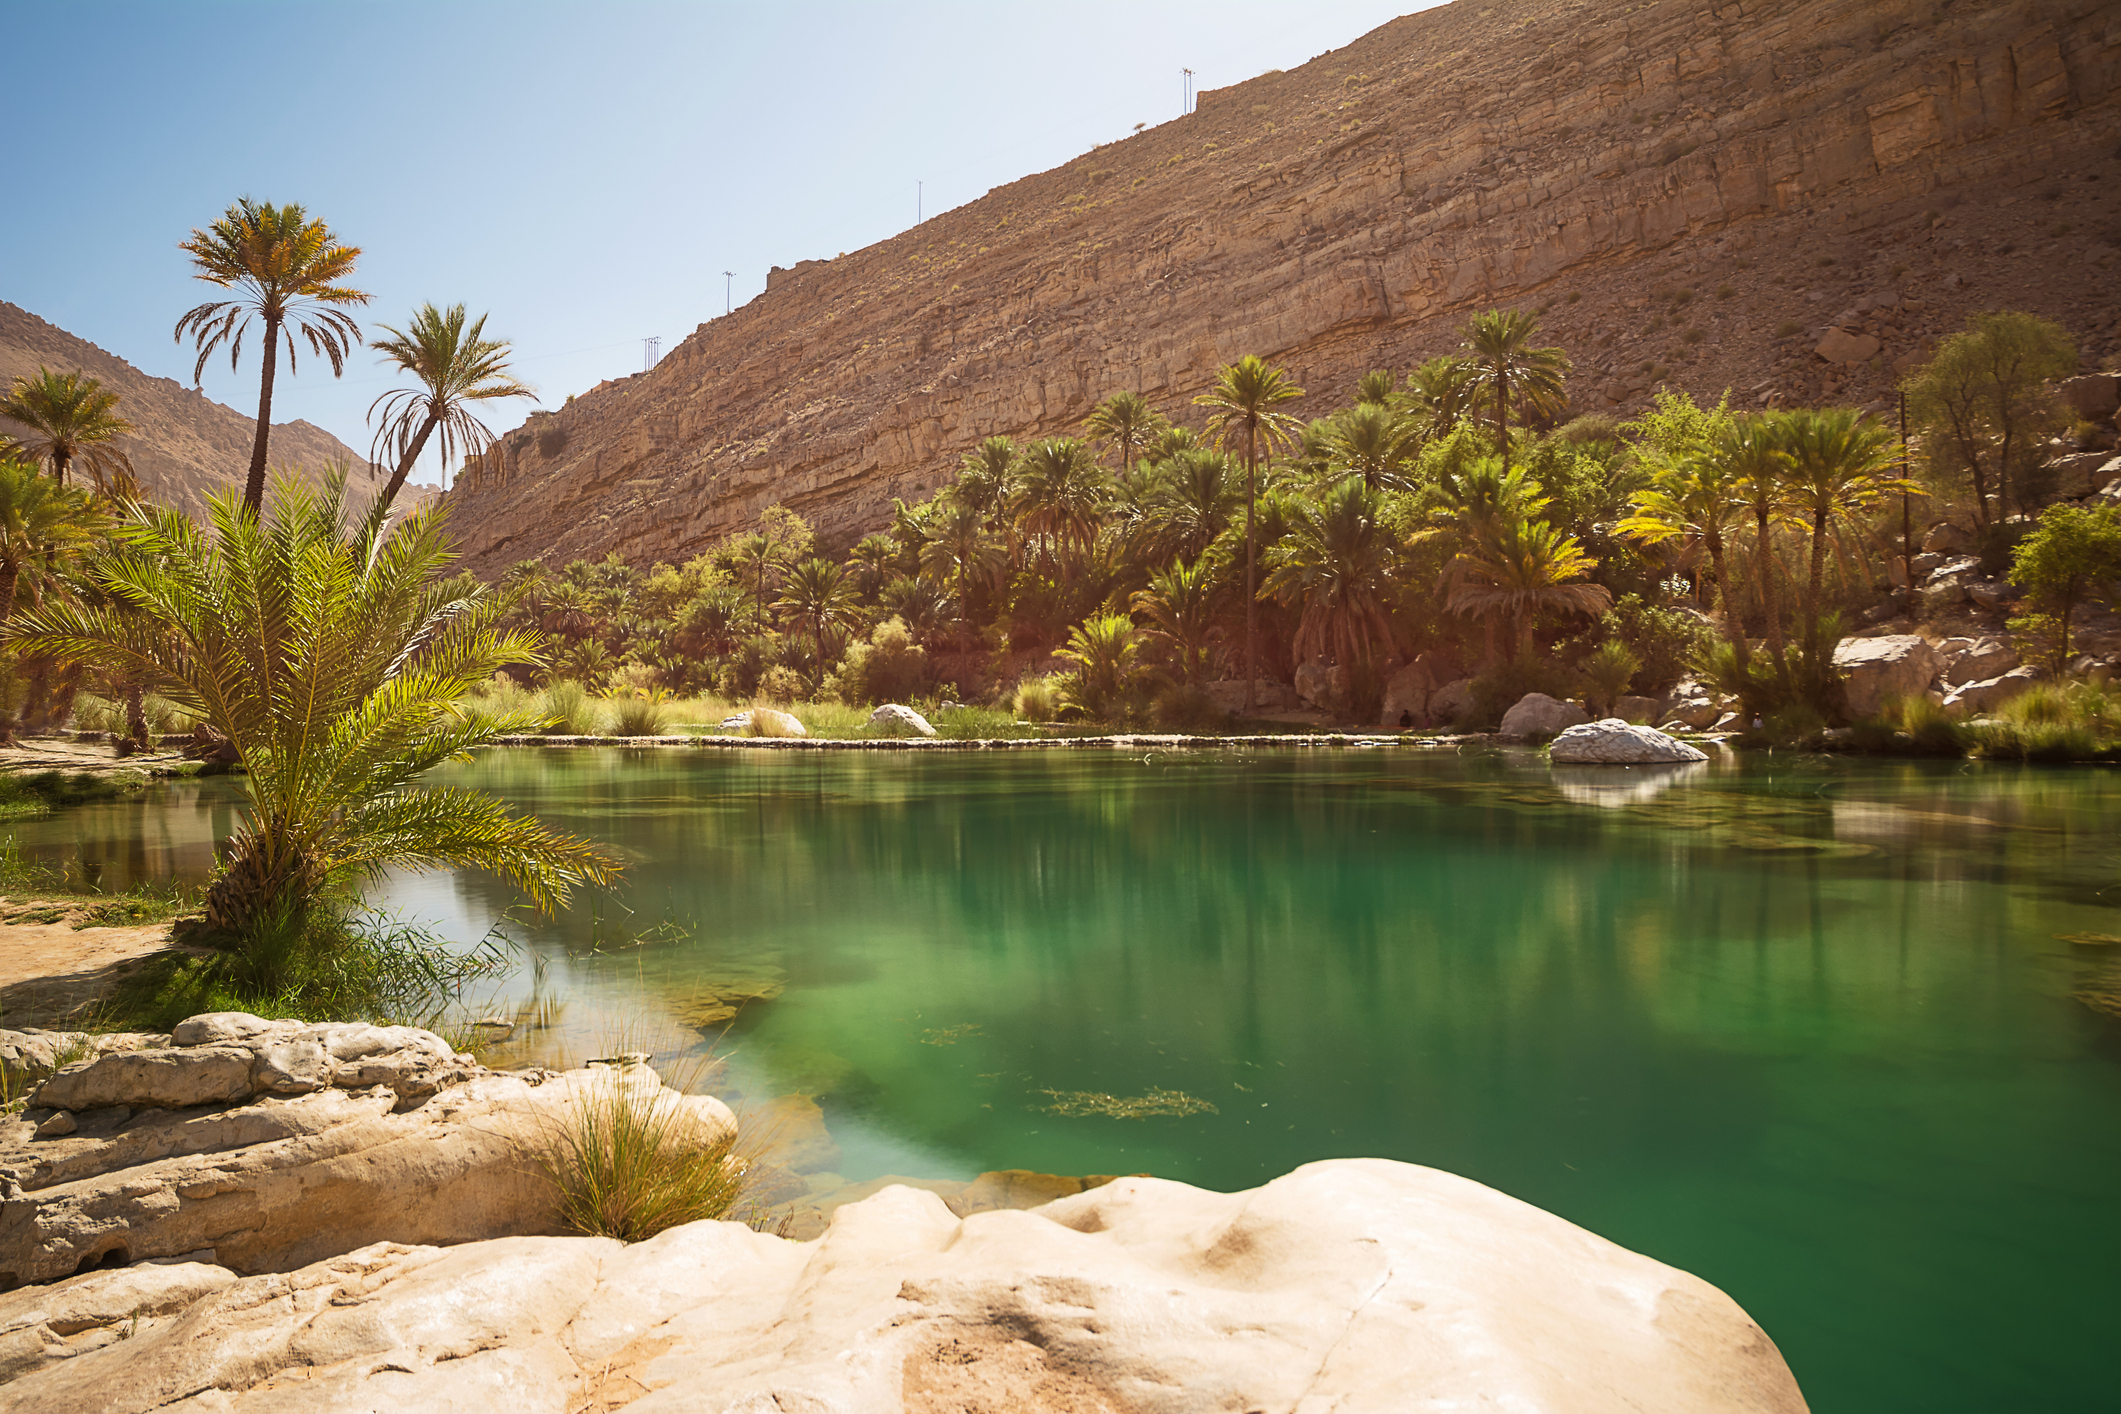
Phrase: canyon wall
(1690, 193)
(184, 445)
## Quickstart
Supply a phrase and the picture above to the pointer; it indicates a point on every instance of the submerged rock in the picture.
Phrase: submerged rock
(1355, 1284)
(893, 717)
(1615, 742)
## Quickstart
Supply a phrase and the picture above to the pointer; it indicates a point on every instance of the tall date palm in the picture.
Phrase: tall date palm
(287, 269)
(457, 366)
(1241, 406)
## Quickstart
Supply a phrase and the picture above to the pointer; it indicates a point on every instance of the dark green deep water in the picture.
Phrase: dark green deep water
(1804, 1028)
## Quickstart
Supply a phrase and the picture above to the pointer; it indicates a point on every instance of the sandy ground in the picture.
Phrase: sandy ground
(49, 972)
(50, 753)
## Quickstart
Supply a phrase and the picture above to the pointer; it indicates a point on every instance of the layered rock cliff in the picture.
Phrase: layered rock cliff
(184, 444)
(1692, 195)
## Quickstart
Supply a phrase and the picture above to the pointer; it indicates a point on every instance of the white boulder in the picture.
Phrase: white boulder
(764, 721)
(1536, 714)
(1355, 1284)
(896, 719)
(1452, 701)
(1966, 660)
(1971, 698)
(1616, 742)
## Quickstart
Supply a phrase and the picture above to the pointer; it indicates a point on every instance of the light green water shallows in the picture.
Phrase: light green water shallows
(1806, 1029)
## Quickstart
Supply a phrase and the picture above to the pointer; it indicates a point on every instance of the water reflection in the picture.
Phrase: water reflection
(1610, 787)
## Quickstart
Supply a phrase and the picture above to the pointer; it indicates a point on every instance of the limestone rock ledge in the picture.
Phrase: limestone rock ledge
(1349, 1285)
(263, 1146)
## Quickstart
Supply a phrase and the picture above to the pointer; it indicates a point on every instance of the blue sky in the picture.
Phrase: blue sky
(585, 173)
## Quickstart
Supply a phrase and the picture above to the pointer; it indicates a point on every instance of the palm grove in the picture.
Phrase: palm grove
(317, 642)
(1456, 516)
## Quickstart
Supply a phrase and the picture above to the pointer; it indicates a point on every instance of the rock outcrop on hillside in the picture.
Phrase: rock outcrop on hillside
(1353, 1285)
(1691, 194)
(184, 444)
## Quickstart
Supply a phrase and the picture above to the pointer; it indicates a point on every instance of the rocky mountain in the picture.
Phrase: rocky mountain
(184, 444)
(1787, 198)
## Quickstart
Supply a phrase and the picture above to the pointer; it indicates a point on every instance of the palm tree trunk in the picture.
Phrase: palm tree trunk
(1502, 416)
(61, 460)
(1764, 547)
(135, 712)
(10, 575)
(1731, 625)
(412, 454)
(1818, 578)
(254, 485)
(1251, 602)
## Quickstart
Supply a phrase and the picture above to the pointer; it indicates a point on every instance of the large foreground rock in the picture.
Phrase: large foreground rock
(1874, 669)
(1536, 714)
(1615, 742)
(1354, 1285)
(263, 1146)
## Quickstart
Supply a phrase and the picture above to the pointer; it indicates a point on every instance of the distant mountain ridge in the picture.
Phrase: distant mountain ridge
(1690, 195)
(184, 445)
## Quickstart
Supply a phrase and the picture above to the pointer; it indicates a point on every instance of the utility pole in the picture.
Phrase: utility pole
(650, 348)
(728, 301)
(1186, 104)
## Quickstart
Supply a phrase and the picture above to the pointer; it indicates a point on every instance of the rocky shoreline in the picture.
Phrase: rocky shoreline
(267, 1216)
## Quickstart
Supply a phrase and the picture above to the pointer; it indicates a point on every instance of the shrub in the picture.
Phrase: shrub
(639, 716)
(567, 710)
(634, 1158)
(781, 684)
(1186, 708)
(1610, 669)
(1928, 728)
(1498, 690)
(747, 667)
(1665, 640)
(890, 667)
(1038, 699)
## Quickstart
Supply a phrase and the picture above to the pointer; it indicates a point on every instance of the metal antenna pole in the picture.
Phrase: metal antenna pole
(650, 347)
(728, 302)
(1186, 105)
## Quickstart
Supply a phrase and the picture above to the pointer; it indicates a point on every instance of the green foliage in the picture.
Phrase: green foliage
(41, 792)
(633, 1159)
(1985, 408)
(1664, 639)
(2076, 721)
(1039, 699)
(1110, 677)
(638, 715)
(565, 709)
(332, 662)
(2073, 553)
(1609, 670)
(1497, 690)
(890, 667)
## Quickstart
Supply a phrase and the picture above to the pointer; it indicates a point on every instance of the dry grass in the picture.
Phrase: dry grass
(635, 1158)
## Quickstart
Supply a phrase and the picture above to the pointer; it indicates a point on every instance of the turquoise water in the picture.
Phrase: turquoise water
(1805, 1028)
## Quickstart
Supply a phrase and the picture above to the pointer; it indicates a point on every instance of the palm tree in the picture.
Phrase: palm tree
(1440, 394)
(759, 557)
(1375, 442)
(1836, 463)
(961, 550)
(1128, 422)
(336, 711)
(1527, 571)
(40, 521)
(1377, 388)
(1498, 345)
(1751, 448)
(1060, 494)
(983, 476)
(1696, 495)
(1242, 402)
(873, 559)
(1190, 505)
(1336, 565)
(1180, 603)
(820, 595)
(1108, 663)
(69, 417)
(287, 268)
(457, 365)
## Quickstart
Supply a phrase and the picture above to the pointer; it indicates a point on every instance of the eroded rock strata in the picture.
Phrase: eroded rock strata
(1736, 195)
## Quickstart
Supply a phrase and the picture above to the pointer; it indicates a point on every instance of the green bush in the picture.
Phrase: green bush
(633, 1159)
(1497, 690)
(643, 715)
(1665, 639)
(890, 667)
(567, 710)
(1039, 699)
